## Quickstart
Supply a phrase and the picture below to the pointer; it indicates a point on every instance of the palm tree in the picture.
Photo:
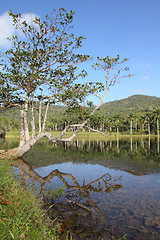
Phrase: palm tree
(148, 117)
(156, 113)
(131, 116)
(142, 121)
(110, 123)
(116, 120)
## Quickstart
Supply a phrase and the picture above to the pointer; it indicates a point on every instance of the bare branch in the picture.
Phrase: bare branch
(45, 117)
(94, 130)
(63, 133)
(32, 116)
(40, 112)
(98, 96)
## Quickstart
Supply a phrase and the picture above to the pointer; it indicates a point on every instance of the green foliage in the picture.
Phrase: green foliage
(112, 63)
(41, 69)
(44, 62)
(138, 108)
(133, 104)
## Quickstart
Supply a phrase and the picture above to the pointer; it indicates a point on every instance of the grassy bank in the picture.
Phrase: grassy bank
(85, 135)
(21, 215)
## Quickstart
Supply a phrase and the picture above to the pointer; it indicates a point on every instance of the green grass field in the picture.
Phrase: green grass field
(83, 135)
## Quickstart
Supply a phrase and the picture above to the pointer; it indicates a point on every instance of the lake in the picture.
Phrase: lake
(102, 189)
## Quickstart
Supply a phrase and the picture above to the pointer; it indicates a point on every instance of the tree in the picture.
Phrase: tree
(156, 114)
(142, 122)
(116, 120)
(148, 117)
(131, 116)
(41, 69)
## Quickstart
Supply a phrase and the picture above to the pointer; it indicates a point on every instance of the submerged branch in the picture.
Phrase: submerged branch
(80, 205)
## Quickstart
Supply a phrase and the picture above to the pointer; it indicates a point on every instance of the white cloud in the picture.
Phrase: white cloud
(143, 91)
(145, 77)
(147, 65)
(7, 29)
(143, 65)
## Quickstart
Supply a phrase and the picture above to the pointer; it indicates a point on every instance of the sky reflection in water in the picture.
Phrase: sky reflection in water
(134, 210)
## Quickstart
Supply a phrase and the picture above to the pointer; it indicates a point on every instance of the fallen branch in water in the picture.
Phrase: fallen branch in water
(79, 205)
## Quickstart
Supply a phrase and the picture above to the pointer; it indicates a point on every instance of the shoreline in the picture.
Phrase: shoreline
(85, 134)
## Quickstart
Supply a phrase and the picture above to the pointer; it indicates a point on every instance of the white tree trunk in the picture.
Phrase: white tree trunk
(32, 118)
(22, 133)
(131, 127)
(27, 143)
(21, 150)
(26, 129)
(149, 130)
(40, 112)
(136, 126)
(45, 117)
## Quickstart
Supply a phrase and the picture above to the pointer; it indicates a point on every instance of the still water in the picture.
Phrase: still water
(112, 188)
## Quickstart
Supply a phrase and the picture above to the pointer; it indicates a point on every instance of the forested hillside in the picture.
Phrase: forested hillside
(140, 112)
(133, 104)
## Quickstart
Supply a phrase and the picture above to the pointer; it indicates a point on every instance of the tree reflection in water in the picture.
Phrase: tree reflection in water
(75, 210)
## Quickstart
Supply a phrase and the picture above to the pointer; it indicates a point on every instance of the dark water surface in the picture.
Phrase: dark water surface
(112, 188)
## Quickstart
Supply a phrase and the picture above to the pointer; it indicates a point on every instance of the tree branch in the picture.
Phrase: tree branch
(25, 120)
(94, 130)
(32, 116)
(40, 112)
(45, 117)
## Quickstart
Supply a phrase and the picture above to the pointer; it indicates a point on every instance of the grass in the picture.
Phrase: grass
(13, 134)
(21, 214)
(84, 135)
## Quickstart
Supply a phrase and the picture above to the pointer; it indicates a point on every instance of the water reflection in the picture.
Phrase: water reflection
(138, 156)
(76, 203)
(89, 206)
(6, 144)
(133, 210)
(132, 144)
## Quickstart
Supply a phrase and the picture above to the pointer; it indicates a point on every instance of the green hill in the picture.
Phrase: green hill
(9, 119)
(133, 104)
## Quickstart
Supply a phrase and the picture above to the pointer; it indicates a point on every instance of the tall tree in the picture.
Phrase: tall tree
(148, 118)
(42, 66)
(156, 113)
(142, 122)
(130, 117)
(116, 119)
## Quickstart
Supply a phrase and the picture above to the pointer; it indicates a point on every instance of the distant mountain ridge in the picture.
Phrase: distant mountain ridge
(133, 104)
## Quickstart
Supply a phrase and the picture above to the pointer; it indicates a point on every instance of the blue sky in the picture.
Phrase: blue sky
(130, 28)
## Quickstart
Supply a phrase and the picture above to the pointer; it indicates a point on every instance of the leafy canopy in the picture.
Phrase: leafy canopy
(44, 62)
